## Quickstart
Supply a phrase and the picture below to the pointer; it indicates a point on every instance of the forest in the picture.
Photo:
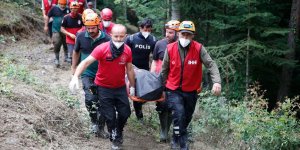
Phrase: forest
(252, 41)
(256, 46)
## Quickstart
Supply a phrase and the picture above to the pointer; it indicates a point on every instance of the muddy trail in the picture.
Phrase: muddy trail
(33, 117)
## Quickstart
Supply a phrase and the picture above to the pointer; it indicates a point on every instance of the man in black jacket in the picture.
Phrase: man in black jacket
(142, 44)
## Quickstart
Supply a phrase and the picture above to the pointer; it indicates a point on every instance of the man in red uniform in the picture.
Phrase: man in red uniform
(106, 25)
(182, 72)
(81, 5)
(46, 6)
(114, 59)
(71, 23)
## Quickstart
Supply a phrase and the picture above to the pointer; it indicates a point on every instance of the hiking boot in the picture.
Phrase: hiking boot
(56, 62)
(185, 148)
(165, 122)
(116, 146)
(66, 58)
(94, 128)
(102, 134)
(69, 60)
(174, 145)
(140, 121)
(163, 140)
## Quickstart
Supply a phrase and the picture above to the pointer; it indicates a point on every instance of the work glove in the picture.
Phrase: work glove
(216, 89)
(132, 91)
(74, 84)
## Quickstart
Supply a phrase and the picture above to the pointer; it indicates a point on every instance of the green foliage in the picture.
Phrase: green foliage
(149, 126)
(5, 88)
(19, 73)
(10, 70)
(155, 10)
(278, 129)
(214, 111)
(250, 121)
(65, 96)
(224, 25)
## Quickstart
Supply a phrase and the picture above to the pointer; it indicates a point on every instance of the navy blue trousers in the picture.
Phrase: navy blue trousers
(114, 100)
(182, 104)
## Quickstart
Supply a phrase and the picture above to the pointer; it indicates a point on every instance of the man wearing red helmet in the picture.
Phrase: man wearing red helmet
(106, 25)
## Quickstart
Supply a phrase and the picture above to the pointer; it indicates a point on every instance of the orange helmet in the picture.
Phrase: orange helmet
(173, 24)
(91, 19)
(74, 5)
(62, 2)
(85, 12)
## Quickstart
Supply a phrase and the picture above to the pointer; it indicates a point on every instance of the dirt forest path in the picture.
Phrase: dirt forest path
(39, 59)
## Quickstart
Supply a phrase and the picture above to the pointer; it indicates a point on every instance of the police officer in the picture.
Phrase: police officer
(142, 44)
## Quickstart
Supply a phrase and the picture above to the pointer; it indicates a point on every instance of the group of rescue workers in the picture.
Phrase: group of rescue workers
(100, 53)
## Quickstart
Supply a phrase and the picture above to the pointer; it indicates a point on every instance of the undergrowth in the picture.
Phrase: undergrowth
(149, 125)
(248, 122)
(236, 124)
(11, 73)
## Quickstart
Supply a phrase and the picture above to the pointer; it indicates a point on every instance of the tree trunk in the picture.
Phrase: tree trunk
(175, 12)
(125, 8)
(287, 71)
(168, 10)
(206, 37)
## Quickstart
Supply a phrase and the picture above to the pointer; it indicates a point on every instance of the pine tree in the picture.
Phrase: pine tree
(236, 28)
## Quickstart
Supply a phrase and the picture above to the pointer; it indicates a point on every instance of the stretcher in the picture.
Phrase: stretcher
(136, 99)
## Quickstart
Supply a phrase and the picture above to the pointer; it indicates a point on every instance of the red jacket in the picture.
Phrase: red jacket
(189, 76)
(107, 30)
(48, 6)
(111, 73)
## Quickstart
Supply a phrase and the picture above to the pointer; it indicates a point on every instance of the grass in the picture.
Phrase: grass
(6, 11)
(64, 95)
(11, 71)
(248, 124)
(150, 125)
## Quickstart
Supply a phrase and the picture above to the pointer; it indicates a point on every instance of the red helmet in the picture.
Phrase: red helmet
(106, 14)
